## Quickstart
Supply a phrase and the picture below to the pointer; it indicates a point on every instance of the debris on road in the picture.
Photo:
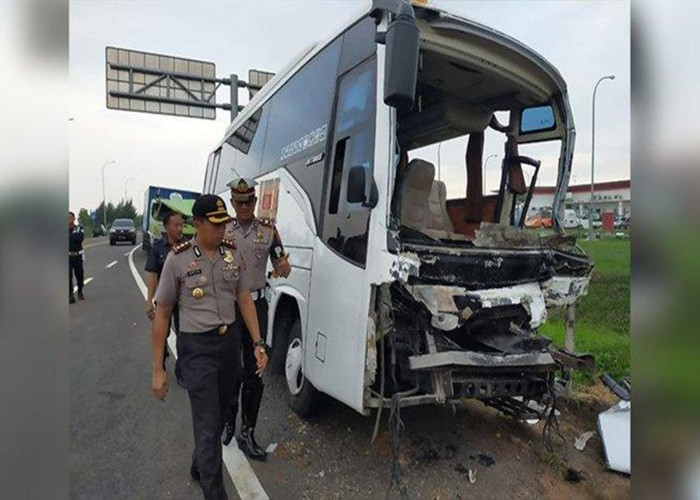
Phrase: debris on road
(271, 448)
(582, 440)
(472, 476)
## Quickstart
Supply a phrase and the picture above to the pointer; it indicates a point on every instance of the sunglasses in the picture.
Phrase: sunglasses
(244, 203)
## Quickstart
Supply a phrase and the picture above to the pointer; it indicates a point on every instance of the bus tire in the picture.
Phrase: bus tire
(301, 395)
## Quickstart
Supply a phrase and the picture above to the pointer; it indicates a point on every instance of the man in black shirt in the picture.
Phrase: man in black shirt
(173, 223)
(75, 256)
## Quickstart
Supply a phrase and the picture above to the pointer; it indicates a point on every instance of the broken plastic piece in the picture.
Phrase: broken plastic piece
(472, 476)
(271, 448)
(615, 430)
(582, 440)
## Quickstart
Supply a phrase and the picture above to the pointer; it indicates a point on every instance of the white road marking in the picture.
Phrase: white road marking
(127, 253)
(87, 280)
(242, 474)
(111, 264)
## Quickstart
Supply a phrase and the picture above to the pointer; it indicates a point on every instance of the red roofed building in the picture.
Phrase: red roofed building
(612, 196)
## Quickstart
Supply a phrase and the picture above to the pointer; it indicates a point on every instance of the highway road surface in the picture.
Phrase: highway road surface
(125, 444)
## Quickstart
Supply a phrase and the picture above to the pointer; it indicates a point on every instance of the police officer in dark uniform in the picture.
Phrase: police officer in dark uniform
(172, 223)
(201, 276)
(76, 235)
(256, 240)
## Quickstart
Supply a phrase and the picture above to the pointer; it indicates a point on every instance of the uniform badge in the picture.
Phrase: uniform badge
(228, 257)
(197, 293)
(203, 279)
(192, 264)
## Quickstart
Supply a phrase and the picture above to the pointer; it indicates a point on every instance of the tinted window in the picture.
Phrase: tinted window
(358, 44)
(345, 224)
(242, 152)
(127, 223)
(300, 111)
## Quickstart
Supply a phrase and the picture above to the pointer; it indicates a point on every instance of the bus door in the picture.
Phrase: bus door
(336, 332)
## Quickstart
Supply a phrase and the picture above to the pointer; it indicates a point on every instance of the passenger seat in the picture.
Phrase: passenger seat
(439, 219)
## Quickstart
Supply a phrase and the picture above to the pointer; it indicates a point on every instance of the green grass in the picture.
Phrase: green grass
(602, 325)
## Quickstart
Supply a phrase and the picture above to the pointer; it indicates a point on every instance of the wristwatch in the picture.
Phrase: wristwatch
(261, 343)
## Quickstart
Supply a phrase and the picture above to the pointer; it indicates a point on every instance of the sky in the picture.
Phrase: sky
(584, 40)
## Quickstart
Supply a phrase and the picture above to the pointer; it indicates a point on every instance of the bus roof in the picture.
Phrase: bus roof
(439, 20)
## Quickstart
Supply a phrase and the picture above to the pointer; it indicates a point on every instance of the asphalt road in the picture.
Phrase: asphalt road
(125, 444)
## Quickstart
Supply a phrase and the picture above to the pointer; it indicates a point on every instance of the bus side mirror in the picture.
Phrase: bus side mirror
(401, 63)
(356, 188)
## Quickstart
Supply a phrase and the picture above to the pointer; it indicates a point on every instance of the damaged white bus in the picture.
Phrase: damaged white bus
(396, 292)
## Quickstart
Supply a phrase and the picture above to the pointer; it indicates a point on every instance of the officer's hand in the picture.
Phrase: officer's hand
(282, 266)
(261, 358)
(159, 384)
(150, 310)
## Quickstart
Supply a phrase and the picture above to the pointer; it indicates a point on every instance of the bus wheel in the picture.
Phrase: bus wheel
(301, 394)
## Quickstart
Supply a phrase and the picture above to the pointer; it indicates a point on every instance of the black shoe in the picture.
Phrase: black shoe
(229, 431)
(71, 300)
(194, 473)
(247, 444)
(80, 295)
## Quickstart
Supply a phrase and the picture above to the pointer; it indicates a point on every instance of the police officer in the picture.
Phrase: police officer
(256, 240)
(201, 276)
(173, 223)
(76, 235)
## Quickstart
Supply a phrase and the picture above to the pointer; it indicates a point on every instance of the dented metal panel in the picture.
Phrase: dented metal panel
(561, 291)
(469, 359)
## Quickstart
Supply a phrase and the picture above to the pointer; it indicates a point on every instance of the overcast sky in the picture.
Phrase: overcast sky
(584, 40)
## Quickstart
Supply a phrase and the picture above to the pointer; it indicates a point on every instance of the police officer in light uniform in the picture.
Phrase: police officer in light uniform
(256, 240)
(202, 276)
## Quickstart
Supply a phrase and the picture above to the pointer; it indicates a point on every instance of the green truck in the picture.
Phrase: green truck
(157, 201)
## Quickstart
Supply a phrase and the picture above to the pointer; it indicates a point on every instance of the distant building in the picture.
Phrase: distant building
(614, 196)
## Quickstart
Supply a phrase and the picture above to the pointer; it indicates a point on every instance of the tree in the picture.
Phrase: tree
(85, 221)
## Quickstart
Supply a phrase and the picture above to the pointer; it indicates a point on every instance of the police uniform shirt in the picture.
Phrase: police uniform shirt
(255, 244)
(156, 257)
(75, 239)
(205, 290)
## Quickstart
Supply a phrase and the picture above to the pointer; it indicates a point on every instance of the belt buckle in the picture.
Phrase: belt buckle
(223, 329)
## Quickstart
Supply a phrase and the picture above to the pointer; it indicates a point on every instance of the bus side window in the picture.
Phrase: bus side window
(345, 224)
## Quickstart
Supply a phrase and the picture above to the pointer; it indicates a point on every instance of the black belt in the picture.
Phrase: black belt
(75, 254)
(219, 331)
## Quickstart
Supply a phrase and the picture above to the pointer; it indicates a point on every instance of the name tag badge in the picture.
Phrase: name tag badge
(194, 272)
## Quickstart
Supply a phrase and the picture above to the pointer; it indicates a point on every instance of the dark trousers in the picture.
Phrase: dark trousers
(210, 364)
(174, 320)
(75, 265)
(252, 385)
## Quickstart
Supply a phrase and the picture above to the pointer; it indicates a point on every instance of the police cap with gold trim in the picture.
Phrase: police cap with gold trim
(242, 189)
(212, 208)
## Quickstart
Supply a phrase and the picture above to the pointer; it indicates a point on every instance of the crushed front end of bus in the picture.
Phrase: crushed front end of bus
(470, 284)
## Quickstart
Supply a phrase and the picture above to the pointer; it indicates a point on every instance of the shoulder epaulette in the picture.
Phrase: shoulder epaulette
(266, 222)
(181, 247)
(228, 243)
(234, 222)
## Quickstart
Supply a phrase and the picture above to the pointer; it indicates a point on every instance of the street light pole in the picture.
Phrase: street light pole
(483, 174)
(126, 182)
(592, 207)
(104, 202)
